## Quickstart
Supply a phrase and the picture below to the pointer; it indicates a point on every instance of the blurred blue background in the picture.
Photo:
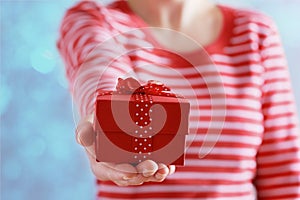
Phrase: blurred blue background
(39, 156)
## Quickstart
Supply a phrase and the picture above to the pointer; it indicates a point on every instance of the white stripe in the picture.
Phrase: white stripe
(280, 72)
(72, 18)
(153, 58)
(280, 134)
(236, 59)
(214, 102)
(94, 32)
(255, 92)
(284, 145)
(180, 83)
(243, 20)
(245, 114)
(97, 61)
(175, 82)
(240, 69)
(281, 121)
(215, 114)
(213, 176)
(202, 70)
(241, 164)
(278, 157)
(243, 139)
(246, 187)
(116, 25)
(243, 102)
(86, 50)
(241, 48)
(119, 16)
(83, 82)
(247, 103)
(287, 190)
(232, 125)
(251, 19)
(268, 181)
(99, 66)
(272, 62)
(294, 167)
(253, 27)
(237, 151)
(245, 37)
(88, 32)
(82, 39)
(278, 98)
(276, 86)
(169, 71)
(214, 79)
(273, 51)
(69, 51)
(89, 5)
(280, 109)
(139, 43)
(136, 32)
(271, 40)
(109, 49)
(90, 108)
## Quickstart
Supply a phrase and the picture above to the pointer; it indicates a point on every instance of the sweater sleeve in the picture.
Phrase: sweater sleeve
(93, 57)
(278, 158)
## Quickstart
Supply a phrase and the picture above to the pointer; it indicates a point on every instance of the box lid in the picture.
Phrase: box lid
(138, 113)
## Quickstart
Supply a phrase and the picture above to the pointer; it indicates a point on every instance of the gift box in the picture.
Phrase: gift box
(137, 123)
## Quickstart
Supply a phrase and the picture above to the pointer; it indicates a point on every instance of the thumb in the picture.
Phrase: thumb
(85, 133)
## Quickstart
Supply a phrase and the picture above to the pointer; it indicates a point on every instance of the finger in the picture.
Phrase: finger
(119, 173)
(147, 168)
(138, 180)
(124, 175)
(85, 134)
(162, 172)
(124, 172)
(172, 169)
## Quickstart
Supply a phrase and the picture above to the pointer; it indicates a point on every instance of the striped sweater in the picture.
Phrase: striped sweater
(245, 135)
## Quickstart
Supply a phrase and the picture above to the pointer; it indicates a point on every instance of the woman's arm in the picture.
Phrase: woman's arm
(278, 158)
(94, 60)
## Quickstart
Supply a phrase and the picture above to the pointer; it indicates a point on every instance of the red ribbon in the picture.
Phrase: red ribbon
(132, 86)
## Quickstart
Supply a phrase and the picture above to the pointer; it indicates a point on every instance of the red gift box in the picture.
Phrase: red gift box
(137, 123)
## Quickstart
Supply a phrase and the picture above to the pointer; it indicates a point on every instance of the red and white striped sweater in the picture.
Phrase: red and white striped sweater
(246, 97)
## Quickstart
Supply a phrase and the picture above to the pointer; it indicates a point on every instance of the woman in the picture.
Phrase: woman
(257, 151)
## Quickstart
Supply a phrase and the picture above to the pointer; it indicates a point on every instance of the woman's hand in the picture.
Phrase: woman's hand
(121, 174)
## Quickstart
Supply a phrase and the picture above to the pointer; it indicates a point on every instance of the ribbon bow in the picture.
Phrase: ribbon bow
(132, 86)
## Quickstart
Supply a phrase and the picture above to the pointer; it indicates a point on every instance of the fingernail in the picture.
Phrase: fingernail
(125, 178)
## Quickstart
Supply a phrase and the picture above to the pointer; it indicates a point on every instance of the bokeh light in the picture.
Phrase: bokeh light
(42, 60)
(39, 155)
